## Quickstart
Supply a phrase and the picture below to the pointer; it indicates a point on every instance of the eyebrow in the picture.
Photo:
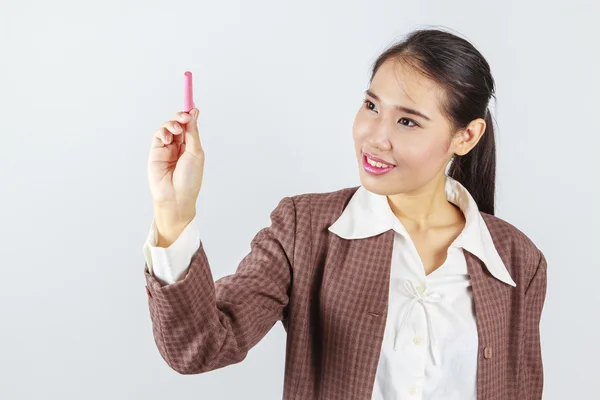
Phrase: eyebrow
(401, 108)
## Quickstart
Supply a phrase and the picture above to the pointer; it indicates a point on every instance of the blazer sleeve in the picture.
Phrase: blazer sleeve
(200, 325)
(531, 369)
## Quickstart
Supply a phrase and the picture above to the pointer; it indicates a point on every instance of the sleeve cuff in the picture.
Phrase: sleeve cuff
(169, 264)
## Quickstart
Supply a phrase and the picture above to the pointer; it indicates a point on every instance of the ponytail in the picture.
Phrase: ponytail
(476, 170)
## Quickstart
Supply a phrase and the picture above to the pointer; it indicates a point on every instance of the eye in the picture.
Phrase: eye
(369, 104)
(401, 120)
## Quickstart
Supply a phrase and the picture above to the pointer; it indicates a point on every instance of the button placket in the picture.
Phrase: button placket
(423, 298)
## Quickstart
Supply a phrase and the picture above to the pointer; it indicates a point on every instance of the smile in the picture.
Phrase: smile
(375, 167)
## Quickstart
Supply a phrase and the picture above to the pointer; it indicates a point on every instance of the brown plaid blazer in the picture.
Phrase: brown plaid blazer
(331, 295)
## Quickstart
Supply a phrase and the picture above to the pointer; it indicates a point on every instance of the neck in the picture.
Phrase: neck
(426, 208)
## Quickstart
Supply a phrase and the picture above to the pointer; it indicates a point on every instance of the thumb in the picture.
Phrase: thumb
(192, 136)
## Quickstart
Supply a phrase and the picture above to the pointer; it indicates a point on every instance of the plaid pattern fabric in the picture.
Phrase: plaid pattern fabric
(331, 296)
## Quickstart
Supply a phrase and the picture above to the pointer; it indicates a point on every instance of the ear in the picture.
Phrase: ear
(468, 137)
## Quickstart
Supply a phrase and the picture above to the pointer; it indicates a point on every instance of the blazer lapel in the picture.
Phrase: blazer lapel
(490, 299)
(354, 303)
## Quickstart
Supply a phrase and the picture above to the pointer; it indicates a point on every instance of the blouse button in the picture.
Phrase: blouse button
(487, 352)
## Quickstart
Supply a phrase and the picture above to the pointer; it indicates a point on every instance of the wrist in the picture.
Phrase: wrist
(171, 222)
(175, 214)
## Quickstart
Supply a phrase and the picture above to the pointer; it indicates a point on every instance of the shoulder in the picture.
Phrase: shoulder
(322, 207)
(326, 199)
(519, 253)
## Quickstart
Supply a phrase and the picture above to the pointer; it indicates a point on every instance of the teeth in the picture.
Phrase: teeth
(377, 164)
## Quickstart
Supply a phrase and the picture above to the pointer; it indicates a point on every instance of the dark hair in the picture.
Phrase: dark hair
(466, 80)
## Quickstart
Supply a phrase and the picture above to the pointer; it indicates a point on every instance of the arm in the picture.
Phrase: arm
(531, 370)
(170, 264)
(200, 325)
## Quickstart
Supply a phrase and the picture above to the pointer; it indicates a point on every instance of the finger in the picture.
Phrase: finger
(182, 117)
(174, 127)
(161, 137)
(192, 136)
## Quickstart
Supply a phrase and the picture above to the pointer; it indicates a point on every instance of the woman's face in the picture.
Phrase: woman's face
(386, 127)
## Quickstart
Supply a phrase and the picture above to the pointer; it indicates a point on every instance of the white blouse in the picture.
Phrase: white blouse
(430, 343)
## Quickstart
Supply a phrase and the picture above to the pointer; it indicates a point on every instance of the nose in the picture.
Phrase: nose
(378, 138)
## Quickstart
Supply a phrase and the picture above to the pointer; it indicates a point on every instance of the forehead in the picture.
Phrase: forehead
(398, 83)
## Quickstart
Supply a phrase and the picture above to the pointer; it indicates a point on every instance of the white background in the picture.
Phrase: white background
(84, 84)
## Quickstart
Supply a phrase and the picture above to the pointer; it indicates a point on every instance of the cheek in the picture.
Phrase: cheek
(360, 128)
(360, 132)
(419, 154)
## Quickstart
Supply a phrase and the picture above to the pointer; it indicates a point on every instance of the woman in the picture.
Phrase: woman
(406, 286)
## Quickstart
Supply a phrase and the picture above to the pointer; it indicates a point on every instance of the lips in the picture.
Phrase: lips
(376, 171)
(379, 159)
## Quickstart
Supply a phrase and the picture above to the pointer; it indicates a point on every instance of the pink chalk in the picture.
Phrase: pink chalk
(188, 97)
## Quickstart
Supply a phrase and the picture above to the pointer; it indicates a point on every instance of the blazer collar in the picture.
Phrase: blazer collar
(369, 214)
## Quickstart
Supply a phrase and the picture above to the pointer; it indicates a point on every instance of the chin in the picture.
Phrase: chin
(383, 185)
